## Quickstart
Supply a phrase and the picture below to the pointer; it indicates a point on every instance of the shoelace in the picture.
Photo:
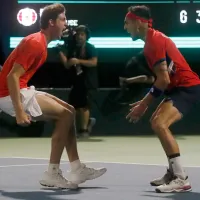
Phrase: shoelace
(60, 176)
(176, 181)
(89, 170)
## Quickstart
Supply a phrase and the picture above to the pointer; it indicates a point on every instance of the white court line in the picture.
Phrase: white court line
(29, 158)
(26, 165)
(104, 162)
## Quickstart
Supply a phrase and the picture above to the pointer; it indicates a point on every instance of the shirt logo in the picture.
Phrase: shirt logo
(27, 17)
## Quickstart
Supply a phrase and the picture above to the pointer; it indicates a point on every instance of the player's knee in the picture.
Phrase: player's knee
(66, 114)
(158, 124)
(72, 110)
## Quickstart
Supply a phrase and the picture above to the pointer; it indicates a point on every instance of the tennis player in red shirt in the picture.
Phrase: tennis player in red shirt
(175, 80)
(27, 104)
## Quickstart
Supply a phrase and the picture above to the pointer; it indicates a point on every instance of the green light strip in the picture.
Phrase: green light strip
(121, 42)
(183, 2)
(91, 2)
(196, 1)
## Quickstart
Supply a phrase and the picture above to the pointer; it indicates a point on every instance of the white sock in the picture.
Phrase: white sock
(53, 167)
(177, 167)
(170, 166)
(75, 165)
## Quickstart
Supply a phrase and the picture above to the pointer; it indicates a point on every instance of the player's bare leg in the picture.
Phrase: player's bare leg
(70, 142)
(176, 179)
(64, 136)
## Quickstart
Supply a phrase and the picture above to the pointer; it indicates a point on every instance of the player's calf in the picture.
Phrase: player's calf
(60, 135)
(166, 115)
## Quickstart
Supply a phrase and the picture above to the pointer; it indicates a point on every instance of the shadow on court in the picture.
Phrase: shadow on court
(55, 194)
(174, 196)
(46, 193)
(39, 195)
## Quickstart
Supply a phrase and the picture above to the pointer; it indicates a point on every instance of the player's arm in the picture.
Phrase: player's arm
(27, 53)
(160, 69)
(160, 85)
(13, 86)
(92, 61)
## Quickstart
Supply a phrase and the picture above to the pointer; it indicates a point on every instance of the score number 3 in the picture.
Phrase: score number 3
(184, 17)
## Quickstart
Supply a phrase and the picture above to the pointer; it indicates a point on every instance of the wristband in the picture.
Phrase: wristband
(156, 92)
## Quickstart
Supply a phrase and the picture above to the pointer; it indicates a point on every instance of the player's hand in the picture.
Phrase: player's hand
(136, 112)
(23, 119)
(132, 105)
(74, 61)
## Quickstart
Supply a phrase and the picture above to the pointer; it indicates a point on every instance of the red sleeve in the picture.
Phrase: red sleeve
(158, 52)
(27, 52)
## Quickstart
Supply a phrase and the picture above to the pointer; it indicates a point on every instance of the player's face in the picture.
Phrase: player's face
(131, 26)
(81, 37)
(59, 26)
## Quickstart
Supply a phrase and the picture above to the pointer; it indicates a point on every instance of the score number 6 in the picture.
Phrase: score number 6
(184, 17)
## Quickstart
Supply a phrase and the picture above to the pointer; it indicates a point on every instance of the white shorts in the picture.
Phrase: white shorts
(29, 103)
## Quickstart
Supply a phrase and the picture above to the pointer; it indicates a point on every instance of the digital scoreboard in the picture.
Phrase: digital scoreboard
(179, 20)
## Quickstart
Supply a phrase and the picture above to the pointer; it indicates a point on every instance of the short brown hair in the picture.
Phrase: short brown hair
(50, 12)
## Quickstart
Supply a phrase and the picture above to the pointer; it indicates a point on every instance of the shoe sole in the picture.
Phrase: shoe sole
(174, 191)
(43, 183)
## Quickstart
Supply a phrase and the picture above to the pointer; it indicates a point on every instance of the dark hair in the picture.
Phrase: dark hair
(81, 28)
(141, 11)
(85, 29)
(50, 12)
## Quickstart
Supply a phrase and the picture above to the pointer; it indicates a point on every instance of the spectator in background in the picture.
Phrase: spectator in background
(81, 61)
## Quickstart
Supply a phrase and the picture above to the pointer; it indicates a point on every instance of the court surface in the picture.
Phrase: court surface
(131, 162)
